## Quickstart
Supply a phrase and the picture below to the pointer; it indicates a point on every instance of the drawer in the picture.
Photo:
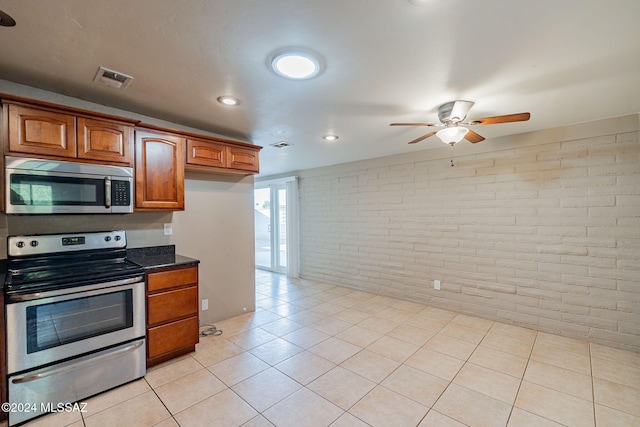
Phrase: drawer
(172, 336)
(157, 281)
(165, 306)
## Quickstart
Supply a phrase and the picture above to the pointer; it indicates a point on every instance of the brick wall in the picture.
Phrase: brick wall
(540, 230)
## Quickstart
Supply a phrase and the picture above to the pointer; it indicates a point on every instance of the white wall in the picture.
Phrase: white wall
(216, 226)
(540, 230)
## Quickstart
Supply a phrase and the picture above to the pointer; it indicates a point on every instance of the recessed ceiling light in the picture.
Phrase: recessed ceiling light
(6, 20)
(295, 65)
(228, 100)
(330, 137)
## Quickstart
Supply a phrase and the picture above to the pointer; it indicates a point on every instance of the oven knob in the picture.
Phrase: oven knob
(20, 244)
(107, 238)
(118, 238)
(34, 243)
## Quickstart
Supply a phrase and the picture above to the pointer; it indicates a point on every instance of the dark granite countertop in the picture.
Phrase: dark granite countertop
(154, 257)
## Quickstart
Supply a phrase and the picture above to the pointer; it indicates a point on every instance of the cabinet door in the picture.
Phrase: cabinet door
(159, 171)
(35, 131)
(106, 141)
(244, 159)
(203, 153)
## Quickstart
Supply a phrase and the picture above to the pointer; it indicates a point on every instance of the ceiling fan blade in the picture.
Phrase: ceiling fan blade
(520, 117)
(413, 124)
(423, 137)
(473, 137)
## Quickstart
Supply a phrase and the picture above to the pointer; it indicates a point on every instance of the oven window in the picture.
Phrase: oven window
(58, 323)
(36, 190)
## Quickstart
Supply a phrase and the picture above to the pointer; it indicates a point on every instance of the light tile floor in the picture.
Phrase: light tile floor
(317, 355)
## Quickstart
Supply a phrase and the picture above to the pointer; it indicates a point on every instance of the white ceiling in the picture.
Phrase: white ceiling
(386, 61)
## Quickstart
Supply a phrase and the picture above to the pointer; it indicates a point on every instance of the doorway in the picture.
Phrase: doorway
(276, 225)
(270, 209)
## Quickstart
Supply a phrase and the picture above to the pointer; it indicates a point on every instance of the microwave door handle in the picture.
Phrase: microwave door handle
(107, 191)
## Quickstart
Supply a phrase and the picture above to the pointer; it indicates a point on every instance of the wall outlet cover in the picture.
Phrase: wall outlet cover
(168, 229)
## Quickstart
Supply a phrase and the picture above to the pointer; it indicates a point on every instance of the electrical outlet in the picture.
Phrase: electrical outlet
(205, 304)
(436, 285)
(168, 229)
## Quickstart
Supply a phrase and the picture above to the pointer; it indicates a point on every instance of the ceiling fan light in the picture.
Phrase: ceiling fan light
(451, 135)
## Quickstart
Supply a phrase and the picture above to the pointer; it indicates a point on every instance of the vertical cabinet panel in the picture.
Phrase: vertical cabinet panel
(159, 171)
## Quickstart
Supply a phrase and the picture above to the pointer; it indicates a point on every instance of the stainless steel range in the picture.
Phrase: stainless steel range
(75, 319)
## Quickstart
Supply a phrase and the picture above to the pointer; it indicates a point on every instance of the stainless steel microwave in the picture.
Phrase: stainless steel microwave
(38, 186)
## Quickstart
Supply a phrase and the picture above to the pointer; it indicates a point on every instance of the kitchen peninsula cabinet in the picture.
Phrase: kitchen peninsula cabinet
(159, 170)
(67, 134)
(172, 313)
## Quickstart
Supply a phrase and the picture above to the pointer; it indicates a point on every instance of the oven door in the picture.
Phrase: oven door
(49, 327)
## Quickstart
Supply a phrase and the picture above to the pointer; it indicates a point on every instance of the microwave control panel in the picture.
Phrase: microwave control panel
(120, 193)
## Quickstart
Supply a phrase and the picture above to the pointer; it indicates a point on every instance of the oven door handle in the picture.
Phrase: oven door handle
(67, 291)
(59, 369)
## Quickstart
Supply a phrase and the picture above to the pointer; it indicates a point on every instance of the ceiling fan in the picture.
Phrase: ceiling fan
(451, 116)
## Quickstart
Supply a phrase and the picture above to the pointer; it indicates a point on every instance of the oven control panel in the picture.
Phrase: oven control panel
(76, 240)
(47, 243)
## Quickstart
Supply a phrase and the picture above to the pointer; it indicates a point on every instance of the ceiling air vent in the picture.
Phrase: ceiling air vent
(281, 144)
(112, 78)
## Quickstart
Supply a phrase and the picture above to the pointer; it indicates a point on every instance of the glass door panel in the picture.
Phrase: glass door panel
(271, 227)
(281, 243)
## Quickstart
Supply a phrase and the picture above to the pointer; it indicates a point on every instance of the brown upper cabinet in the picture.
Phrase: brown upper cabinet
(45, 132)
(245, 159)
(159, 170)
(41, 129)
(204, 153)
(102, 140)
(221, 157)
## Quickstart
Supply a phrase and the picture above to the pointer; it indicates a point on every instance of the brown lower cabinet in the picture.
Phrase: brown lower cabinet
(172, 313)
